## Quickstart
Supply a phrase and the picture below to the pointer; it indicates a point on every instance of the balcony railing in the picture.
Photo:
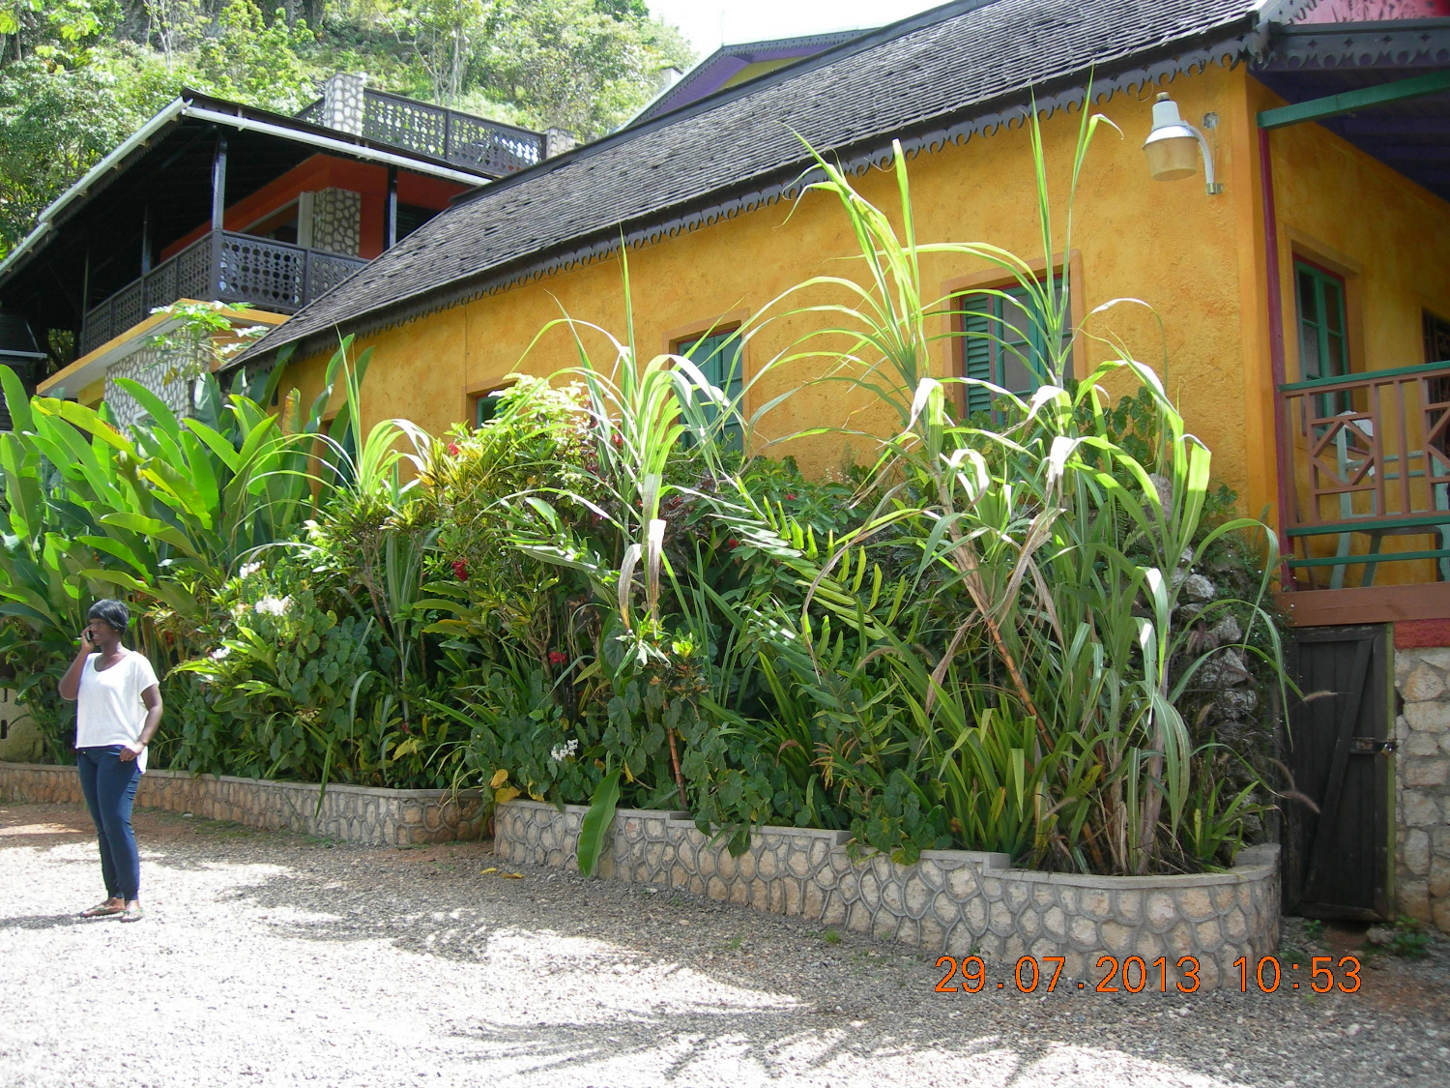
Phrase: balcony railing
(489, 147)
(223, 267)
(1369, 457)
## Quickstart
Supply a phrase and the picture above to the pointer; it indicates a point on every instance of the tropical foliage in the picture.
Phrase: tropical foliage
(1034, 629)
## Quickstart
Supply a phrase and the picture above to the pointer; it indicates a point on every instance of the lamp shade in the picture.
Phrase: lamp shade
(1172, 146)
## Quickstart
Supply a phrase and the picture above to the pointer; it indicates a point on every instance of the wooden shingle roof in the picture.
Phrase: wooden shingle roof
(963, 68)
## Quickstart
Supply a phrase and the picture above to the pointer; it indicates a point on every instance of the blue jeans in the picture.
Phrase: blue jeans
(109, 786)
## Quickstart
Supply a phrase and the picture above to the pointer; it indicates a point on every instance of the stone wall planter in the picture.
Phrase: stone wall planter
(952, 901)
(360, 814)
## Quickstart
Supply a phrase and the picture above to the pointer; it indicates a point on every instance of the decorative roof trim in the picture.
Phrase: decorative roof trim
(791, 181)
(1369, 44)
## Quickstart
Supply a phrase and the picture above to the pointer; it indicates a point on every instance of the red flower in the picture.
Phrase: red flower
(453, 450)
(789, 497)
(617, 440)
(558, 657)
(460, 570)
(732, 543)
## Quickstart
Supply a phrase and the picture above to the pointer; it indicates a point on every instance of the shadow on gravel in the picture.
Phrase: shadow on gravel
(625, 995)
(565, 976)
(49, 921)
(33, 836)
(781, 1044)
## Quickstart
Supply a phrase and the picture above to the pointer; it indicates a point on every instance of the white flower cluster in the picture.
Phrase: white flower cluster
(249, 569)
(561, 752)
(272, 606)
(221, 654)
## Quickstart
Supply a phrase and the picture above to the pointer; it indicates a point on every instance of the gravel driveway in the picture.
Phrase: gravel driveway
(275, 959)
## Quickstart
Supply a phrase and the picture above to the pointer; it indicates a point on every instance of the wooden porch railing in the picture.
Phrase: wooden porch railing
(1369, 457)
(222, 266)
(490, 147)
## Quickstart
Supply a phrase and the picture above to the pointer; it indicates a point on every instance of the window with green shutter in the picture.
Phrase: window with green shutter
(485, 407)
(1004, 341)
(718, 357)
(1323, 335)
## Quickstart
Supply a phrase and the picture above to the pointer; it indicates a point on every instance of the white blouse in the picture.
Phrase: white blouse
(109, 709)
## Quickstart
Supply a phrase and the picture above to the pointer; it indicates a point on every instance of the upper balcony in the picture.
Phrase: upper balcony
(489, 147)
(1368, 456)
(222, 266)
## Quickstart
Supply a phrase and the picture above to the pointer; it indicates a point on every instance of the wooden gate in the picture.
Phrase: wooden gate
(1336, 861)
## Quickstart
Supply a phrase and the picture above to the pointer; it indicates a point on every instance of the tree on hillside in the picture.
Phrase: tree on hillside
(581, 65)
(444, 36)
(78, 76)
(250, 60)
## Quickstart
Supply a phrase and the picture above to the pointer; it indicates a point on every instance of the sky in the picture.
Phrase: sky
(708, 23)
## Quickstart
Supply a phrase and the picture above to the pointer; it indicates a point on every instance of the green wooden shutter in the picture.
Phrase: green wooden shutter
(718, 357)
(1003, 342)
(978, 353)
(1323, 334)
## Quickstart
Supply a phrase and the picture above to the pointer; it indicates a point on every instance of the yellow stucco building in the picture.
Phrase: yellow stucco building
(451, 316)
(1304, 295)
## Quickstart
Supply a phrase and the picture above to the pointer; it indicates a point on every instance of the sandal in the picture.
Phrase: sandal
(132, 914)
(102, 910)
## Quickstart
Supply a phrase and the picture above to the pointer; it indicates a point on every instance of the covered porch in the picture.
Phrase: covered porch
(1359, 341)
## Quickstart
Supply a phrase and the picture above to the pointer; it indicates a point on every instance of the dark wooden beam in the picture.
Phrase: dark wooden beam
(146, 240)
(67, 292)
(390, 210)
(219, 184)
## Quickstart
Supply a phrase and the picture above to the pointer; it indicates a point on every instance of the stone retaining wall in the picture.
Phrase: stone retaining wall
(952, 901)
(360, 814)
(1422, 786)
(20, 739)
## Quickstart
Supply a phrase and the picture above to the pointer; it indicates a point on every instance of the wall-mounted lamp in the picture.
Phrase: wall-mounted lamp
(1173, 147)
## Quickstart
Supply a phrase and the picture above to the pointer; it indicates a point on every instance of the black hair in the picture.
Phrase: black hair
(114, 613)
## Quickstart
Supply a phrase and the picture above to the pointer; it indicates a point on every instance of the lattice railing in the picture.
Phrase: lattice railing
(221, 266)
(260, 271)
(312, 114)
(459, 138)
(1369, 456)
(325, 271)
(489, 147)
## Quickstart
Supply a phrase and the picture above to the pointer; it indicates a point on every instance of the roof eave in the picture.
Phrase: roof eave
(238, 116)
(167, 115)
(1240, 38)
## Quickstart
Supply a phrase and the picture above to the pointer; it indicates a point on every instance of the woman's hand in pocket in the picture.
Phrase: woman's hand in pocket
(130, 752)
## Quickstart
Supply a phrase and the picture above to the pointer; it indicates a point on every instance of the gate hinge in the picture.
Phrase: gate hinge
(1368, 746)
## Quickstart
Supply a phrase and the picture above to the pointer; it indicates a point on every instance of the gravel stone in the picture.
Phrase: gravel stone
(274, 959)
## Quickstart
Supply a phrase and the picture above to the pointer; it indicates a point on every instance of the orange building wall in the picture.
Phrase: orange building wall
(326, 172)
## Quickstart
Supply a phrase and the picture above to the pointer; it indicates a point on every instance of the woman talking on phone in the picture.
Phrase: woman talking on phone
(118, 707)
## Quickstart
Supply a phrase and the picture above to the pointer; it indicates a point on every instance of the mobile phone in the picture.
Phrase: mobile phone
(87, 635)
